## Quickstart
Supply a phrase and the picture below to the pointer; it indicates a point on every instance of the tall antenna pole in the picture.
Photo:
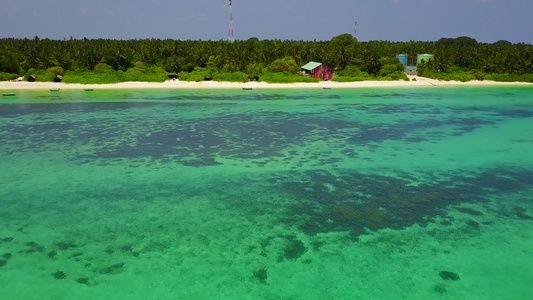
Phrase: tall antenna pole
(231, 39)
(355, 29)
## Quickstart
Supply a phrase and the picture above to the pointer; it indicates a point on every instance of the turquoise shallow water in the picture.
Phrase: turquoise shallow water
(272, 194)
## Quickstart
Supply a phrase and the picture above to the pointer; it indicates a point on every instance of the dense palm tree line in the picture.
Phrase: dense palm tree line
(249, 56)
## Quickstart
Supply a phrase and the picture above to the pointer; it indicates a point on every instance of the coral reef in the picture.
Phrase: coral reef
(472, 224)
(293, 248)
(356, 203)
(521, 213)
(470, 211)
(261, 275)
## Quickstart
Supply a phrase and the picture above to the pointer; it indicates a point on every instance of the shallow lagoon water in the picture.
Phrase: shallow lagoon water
(267, 194)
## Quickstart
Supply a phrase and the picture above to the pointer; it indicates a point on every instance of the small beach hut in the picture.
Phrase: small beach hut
(32, 78)
(411, 70)
(57, 78)
(317, 70)
(404, 59)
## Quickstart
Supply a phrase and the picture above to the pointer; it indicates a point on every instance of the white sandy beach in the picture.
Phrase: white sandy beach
(176, 84)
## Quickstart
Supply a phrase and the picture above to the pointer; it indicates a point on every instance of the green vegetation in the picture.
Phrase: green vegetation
(111, 61)
(387, 69)
(286, 65)
(104, 73)
(509, 77)
(4, 76)
(451, 74)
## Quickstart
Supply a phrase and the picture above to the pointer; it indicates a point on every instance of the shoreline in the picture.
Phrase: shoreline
(176, 84)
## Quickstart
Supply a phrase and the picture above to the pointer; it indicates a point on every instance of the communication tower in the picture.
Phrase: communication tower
(231, 39)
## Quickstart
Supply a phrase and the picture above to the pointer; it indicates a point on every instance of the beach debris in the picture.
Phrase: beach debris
(448, 275)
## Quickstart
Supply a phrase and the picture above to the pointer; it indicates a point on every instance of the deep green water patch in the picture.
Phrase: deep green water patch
(358, 203)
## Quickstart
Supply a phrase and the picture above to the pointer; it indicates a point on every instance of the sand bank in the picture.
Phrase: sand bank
(176, 84)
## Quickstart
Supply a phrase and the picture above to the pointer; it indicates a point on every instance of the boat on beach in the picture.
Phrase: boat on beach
(8, 94)
(54, 90)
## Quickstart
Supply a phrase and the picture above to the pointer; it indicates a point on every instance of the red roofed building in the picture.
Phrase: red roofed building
(317, 70)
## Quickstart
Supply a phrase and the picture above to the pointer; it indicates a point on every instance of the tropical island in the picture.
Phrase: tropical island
(103, 61)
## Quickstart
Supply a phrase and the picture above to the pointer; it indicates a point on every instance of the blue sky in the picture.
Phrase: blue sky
(392, 20)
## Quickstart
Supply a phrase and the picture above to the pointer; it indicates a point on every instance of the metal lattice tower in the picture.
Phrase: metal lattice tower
(230, 32)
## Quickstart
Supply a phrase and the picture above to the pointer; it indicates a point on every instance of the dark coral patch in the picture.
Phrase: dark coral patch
(470, 211)
(293, 248)
(448, 275)
(65, 245)
(113, 269)
(521, 213)
(60, 275)
(83, 280)
(357, 203)
(261, 275)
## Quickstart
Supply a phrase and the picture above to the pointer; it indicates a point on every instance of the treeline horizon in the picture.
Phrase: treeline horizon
(252, 56)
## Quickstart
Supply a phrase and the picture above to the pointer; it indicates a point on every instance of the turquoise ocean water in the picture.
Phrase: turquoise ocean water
(267, 194)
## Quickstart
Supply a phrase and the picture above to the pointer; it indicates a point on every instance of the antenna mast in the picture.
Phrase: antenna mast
(231, 39)
(355, 29)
